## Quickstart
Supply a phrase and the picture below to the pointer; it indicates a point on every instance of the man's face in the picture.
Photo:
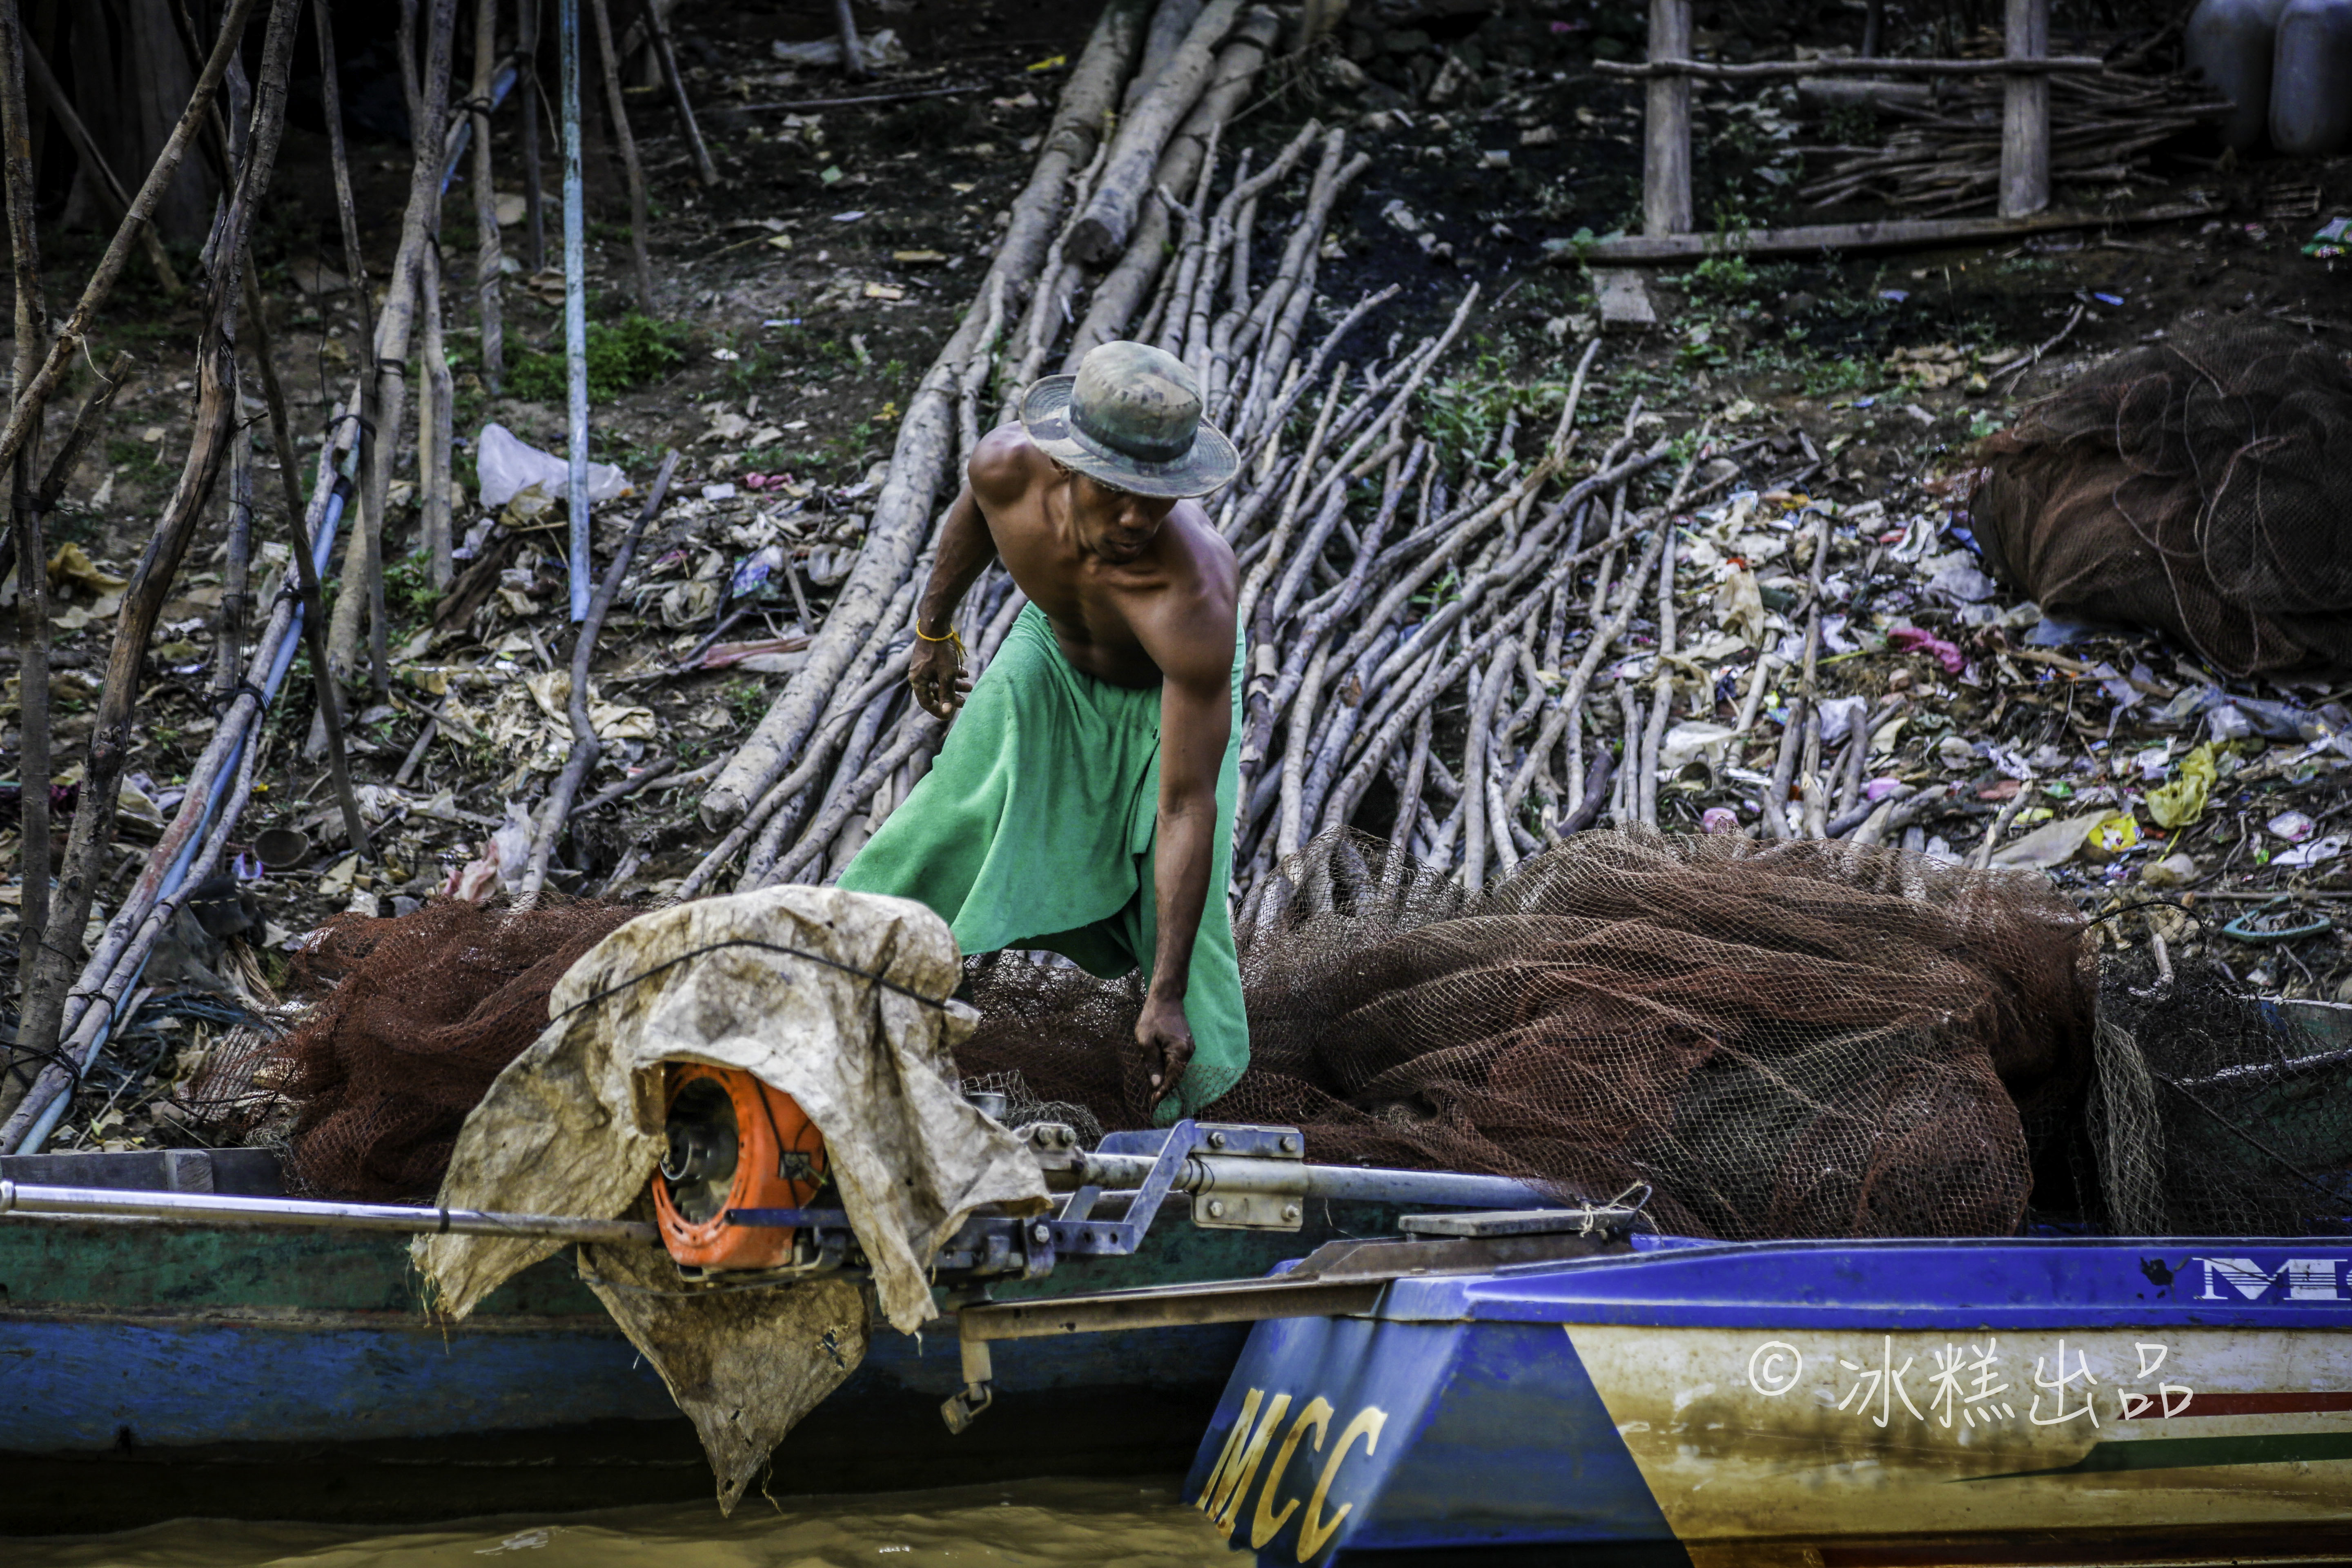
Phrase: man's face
(1122, 523)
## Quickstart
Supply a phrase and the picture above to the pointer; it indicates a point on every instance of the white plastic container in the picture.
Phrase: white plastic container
(2231, 45)
(2311, 79)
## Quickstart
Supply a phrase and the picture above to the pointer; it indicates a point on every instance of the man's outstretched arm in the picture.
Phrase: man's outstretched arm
(1195, 657)
(935, 670)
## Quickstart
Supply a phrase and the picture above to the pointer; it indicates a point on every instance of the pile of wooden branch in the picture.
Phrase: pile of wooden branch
(1365, 606)
(1943, 157)
(234, 120)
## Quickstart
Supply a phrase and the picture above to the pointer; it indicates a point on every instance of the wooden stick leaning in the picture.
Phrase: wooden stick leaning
(25, 509)
(902, 519)
(151, 583)
(101, 173)
(32, 396)
(585, 747)
(665, 55)
(616, 109)
(489, 250)
(346, 211)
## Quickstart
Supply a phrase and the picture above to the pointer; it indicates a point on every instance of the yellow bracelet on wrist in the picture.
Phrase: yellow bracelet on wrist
(952, 637)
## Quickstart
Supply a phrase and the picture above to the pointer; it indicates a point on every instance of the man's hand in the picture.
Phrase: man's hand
(935, 671)
(1167, 1041)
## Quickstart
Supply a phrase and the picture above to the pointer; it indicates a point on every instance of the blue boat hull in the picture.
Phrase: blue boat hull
(1796, 1402)
(151, 1372)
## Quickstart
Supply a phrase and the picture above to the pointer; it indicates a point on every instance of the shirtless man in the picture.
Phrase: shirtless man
(1041, 825)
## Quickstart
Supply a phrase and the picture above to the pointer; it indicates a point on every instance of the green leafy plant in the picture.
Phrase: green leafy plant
(408, 591)
(622, 355)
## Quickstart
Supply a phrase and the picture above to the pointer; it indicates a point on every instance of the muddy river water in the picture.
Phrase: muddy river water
(1047, 1524)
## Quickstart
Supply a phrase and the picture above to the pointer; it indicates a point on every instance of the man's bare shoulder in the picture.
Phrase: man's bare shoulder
(1006, 465)
(1202, 553)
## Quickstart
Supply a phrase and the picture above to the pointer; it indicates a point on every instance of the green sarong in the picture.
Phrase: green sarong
(1036, 826)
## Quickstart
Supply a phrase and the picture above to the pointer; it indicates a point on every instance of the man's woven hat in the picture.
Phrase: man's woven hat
(1131, 420)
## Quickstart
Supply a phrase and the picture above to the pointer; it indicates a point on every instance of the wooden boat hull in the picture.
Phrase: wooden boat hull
(151, 1371)
(1805, 1402)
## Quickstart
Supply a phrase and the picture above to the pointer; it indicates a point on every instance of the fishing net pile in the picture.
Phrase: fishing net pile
(418, 1015)
(1792, 1038)
(2194, 486)
(2215, 1111)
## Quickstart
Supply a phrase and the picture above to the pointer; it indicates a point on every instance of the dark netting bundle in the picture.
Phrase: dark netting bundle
(2217, 1112)
(425, 1010)
(2194, 486)
(1792, 1038)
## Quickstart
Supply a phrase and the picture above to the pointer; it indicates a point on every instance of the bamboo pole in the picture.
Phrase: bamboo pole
(575, 309)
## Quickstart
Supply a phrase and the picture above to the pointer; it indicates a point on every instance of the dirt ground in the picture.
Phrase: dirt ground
(796, 306)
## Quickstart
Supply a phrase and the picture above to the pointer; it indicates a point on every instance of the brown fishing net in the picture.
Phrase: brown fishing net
(1781, 1039)
(2217, 1112)
(2194, 486)
(423, 1012)
(1800, 1038)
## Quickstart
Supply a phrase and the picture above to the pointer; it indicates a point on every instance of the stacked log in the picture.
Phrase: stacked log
(1944, 155)
(1365, 604)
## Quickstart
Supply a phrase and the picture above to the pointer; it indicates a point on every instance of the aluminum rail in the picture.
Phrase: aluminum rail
(198, 1208)
(1247, 1175)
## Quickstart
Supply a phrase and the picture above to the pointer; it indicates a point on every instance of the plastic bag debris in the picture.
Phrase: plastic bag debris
(2295, 827)
(2051, 845)
(879, 48)
(1911, 639)
(505, 465)
(2318, 852)
(2180, 803)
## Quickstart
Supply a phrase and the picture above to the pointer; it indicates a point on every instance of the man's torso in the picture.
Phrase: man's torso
(1095, 604)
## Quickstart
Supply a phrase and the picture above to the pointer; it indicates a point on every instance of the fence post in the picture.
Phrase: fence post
(1666, 147)
(2025, 114)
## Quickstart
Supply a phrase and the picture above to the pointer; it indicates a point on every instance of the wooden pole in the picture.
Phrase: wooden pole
(346, 209)
(617, 108)
(666, 57)
(585, 747)
(1667, 149)
(853, 63)
(32, 551)
(534, 201)
(435, 411)
(102, 174)
(488, 254)
(2025, 114)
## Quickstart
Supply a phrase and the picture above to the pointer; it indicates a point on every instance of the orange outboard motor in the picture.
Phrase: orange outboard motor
(734, 1143)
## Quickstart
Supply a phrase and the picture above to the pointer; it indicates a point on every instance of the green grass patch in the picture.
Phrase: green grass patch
(624, 354)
